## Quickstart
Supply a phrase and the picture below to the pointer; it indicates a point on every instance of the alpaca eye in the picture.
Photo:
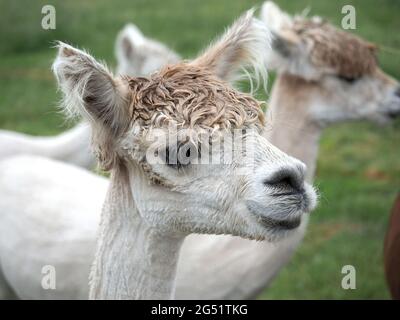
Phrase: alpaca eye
(349, 80)
(169, 156)
(180, 157)
(187, 153)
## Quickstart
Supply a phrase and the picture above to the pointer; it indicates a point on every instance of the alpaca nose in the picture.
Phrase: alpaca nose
(395, 113)
(397, 92)
(288, 178)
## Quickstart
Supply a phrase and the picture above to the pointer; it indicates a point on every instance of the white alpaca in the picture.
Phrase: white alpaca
(151, 206)
(136, 55)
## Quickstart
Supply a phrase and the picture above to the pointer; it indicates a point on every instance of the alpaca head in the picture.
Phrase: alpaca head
(338, 71)
(140, 56)
(192, 144)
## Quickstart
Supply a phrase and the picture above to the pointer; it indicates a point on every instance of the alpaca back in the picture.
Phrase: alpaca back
(71, 146)
(37, 214)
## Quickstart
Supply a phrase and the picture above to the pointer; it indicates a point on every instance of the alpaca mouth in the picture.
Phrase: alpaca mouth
(279, 224)
(286, 194)
(299, 200)
(284, 218)
(393, 114)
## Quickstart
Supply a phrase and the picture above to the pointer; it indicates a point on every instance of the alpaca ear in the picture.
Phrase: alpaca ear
(91, 91)
(286, 44)
(244, 44)
(284, 41)
(127, 43)
(287, 52)
(274, 17)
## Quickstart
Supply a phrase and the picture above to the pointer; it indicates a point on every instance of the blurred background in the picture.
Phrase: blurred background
(359, 163)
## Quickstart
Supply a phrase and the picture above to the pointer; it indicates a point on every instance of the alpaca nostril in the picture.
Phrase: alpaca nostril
(397, 93)
(287, 178)
(394, 113)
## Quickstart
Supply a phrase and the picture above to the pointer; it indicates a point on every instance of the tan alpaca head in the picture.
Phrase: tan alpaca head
(138, 55)
(337, 70)
(162, 128)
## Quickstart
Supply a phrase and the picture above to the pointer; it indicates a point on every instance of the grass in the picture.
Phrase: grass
(358, 168)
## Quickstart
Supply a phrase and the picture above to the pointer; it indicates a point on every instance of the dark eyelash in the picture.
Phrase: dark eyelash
(175, 163)
(348, 79)
(168, 159)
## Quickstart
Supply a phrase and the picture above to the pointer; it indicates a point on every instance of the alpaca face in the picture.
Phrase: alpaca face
(140, 56)
(374, 97)
(163, 128)
(338, 71)
(233, 183)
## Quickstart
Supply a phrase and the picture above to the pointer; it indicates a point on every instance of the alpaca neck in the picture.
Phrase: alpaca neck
(133, 260)
(293, 130)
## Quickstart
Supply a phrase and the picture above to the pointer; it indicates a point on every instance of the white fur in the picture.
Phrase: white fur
(274, 17)
(68, 234)
(72, 146)
(138, 55)
(248, 37)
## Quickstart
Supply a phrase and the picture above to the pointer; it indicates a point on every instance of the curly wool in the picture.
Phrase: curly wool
(189, 96)
(348, 55)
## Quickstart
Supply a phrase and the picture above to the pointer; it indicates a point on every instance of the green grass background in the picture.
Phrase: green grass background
(358, 167)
